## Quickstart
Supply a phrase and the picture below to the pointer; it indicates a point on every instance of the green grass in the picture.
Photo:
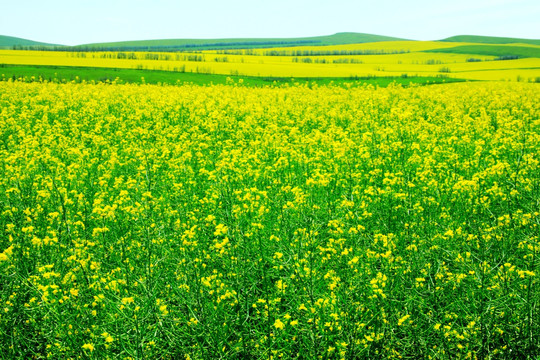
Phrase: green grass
(79, 74)
(491, 50)
(491, 40)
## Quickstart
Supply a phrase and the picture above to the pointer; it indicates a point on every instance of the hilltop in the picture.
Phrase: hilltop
(206, 44)
(343, 38)
(11, 41)
(235, 43)
(491, 40)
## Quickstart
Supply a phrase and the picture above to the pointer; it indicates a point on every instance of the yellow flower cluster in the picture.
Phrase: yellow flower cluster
(276, 222)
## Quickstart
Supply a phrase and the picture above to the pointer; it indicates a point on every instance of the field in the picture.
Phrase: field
(290, 221)
(343, 197)
(385, 59)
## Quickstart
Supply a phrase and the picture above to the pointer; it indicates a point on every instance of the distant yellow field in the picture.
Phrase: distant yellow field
(501, 74)
(396, 58)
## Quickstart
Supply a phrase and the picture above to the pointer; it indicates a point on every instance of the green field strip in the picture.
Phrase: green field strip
(88, 74)
(491, 50)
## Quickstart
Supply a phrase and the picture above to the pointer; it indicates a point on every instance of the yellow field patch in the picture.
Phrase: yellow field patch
(526, 75)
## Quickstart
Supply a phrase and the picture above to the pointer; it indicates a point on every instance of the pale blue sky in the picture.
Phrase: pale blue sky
(74, 22)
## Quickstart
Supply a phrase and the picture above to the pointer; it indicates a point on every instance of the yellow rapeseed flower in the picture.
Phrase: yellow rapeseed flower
(278, 324)
(89, 347)
(403, 319)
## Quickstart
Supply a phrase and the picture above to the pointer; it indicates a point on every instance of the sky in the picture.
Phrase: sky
(75, 22)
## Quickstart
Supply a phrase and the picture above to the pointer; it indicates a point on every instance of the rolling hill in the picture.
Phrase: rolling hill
(342, 38)
(490, 40)
(235, 43)
(11, 41)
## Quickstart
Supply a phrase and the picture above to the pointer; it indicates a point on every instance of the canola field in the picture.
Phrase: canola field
(205, 222)
(380, 59)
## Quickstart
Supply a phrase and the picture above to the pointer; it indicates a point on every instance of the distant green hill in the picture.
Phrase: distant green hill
(491, 40)
(342, 38)
(11, 41)
(502, 51)
(236, 43)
